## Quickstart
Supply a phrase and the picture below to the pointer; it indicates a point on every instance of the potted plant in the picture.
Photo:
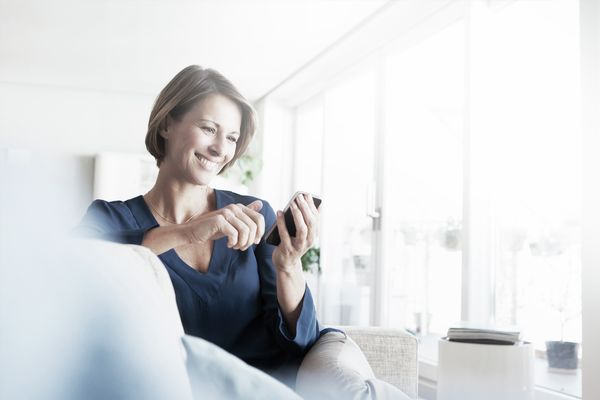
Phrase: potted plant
(311, 265)
(561, 354)
(311, 260)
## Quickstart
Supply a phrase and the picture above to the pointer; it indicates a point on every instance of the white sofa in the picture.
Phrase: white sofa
(106, 325)
(391, 353)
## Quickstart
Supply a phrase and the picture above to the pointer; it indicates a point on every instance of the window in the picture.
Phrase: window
(424, 109)
(453, 176)
(526, 86)
(345, 289)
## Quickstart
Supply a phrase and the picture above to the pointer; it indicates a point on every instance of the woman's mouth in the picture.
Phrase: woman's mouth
(205, 163)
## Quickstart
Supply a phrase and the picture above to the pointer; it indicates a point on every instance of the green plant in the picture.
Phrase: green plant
(250, 167)
(311, 260)
(245, 169)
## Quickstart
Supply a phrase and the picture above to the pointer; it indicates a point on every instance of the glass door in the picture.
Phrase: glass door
(346, 289)
(422, 181)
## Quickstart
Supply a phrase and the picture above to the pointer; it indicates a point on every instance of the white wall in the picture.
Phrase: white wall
(63, 128)
(590, 83)
(77, 121)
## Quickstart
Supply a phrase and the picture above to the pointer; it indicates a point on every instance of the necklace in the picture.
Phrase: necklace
(170, 220)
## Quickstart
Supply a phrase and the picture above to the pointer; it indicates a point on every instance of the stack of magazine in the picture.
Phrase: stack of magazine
(484, 334)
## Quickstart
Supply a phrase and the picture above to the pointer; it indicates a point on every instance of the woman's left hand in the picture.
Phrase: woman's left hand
(286, 256)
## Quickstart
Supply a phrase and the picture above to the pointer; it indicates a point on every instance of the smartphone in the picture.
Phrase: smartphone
(273, 233)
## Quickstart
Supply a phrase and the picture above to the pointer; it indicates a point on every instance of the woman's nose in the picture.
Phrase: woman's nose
(218, 144)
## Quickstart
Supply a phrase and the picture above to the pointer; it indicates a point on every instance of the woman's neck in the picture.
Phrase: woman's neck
(178, 202)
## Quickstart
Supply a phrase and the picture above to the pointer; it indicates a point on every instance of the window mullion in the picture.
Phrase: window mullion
(477, 292)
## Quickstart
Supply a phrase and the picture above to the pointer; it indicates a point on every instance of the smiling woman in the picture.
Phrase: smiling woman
(207, 134)
(232, 288)
(189, 88)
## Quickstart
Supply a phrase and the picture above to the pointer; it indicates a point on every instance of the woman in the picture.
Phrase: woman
(231, 287)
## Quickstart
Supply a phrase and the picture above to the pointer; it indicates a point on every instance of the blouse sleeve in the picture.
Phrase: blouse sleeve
(307, 327)
(112, 222)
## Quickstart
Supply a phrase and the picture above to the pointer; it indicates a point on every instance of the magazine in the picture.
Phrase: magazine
(484, 334)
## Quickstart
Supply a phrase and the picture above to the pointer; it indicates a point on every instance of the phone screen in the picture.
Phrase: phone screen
(273, 235)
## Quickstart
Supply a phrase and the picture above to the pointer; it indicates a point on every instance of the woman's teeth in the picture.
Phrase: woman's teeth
(210, 165)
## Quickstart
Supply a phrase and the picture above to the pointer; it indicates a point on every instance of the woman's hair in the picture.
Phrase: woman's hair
(189, 86)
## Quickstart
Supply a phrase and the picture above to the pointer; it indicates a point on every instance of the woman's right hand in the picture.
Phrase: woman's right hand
(242, 225)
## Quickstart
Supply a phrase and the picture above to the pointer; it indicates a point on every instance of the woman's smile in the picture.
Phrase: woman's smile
(206, 163)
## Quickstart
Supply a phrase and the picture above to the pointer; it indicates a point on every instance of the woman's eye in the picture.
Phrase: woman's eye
(233, 139)
(209, 129)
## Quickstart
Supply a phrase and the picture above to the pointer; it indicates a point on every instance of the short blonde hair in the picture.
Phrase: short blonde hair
(187, 88)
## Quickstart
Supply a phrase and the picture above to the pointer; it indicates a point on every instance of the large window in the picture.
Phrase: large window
(424, 112)
(453, 176)
(525, 114)
(345, 114)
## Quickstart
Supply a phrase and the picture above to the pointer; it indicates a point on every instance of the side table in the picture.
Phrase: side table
(469, 371)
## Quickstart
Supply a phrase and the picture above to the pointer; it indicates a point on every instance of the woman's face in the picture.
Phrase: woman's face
(203, 140)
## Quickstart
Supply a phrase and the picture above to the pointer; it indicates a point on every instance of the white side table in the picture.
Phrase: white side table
(468, 371)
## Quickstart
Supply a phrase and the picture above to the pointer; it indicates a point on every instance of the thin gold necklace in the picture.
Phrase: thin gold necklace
(169, 220)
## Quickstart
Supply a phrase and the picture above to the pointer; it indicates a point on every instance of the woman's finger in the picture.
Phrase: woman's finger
(315, 210)
(243, 213)
(311, 204)
(284, 235)
(301, 228)
(241, 227)
(258, 220)
(308, 216)
(227, 230)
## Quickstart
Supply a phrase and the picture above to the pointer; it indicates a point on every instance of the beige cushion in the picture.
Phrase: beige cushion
(216, 374)
(336, 368)
(391, 352)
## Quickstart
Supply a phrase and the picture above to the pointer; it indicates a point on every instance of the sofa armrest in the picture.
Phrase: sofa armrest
(154, 267)
(392, 354)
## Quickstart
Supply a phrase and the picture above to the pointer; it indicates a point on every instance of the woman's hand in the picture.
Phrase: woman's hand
(306, 218)
(242, 225)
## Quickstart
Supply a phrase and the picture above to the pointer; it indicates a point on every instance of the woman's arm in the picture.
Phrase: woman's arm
(243, 226)
(165, 238)
(293, 319)
(291, 284)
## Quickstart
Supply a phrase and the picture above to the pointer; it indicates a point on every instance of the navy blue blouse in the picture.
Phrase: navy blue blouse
(234, 304)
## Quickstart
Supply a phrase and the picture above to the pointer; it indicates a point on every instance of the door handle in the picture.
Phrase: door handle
(373, 211)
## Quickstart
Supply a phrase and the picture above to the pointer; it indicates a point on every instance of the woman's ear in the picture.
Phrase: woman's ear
(164, 129)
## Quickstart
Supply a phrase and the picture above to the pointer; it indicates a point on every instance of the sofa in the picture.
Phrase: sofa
(106, 326)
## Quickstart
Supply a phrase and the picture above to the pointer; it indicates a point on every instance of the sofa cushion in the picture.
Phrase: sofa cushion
(391, 353)
(153, 266)
(83, 320)
(336, 368)
(216, 374)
